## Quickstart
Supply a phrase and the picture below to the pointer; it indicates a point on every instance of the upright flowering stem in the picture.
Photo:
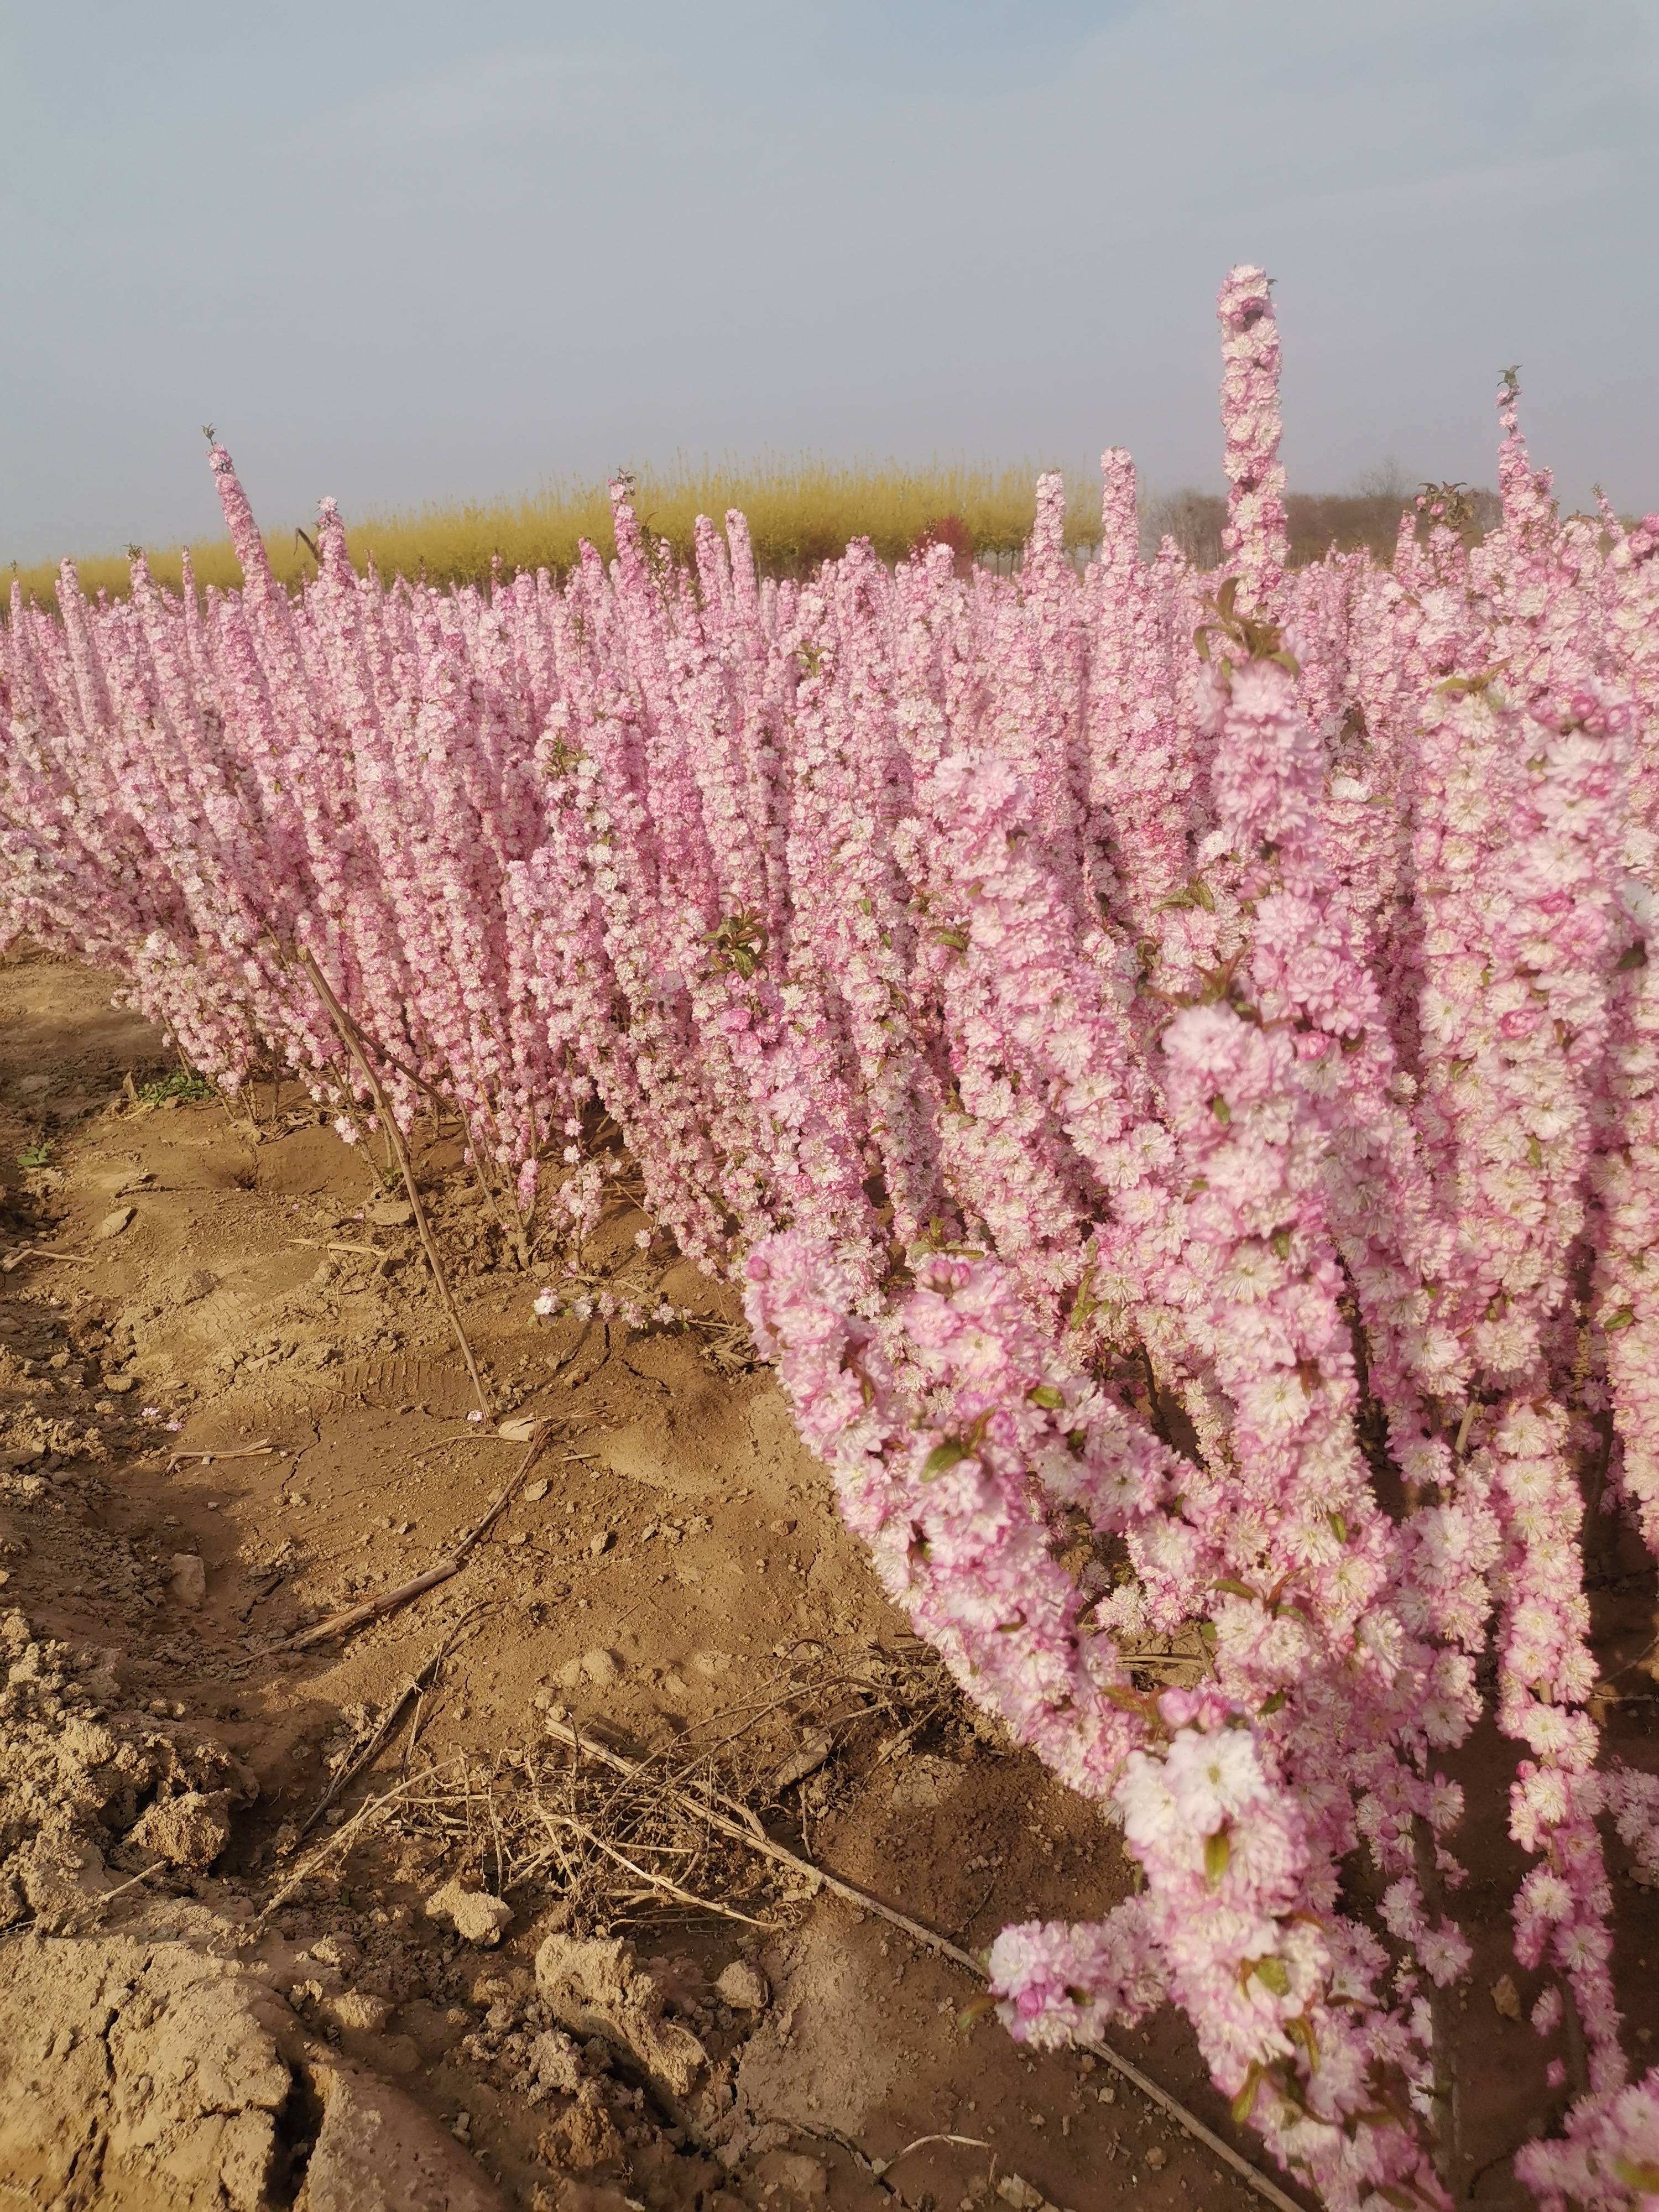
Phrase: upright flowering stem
(1256, 540)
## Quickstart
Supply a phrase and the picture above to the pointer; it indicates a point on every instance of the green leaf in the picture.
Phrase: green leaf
(1204, 895)
(1085, 1302)
(1300, 2030)
(1280, 1241)
(1274, 1705)
(1635, 956)
(1339, 1527)
(1235, 1588)
(181, 1084)
(943, 1457)
(1221, 1109)
(1046, 1395)
(956, 938)
(1274, 1974)
(1217, 1857)
(1623, 1318)
(1246, 2098)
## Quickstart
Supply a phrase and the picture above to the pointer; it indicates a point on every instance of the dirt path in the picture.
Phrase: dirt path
(672, 1578)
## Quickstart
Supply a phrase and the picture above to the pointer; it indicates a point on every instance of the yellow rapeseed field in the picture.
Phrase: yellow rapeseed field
(799, 513)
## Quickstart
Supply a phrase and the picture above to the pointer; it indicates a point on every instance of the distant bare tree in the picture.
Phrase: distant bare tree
(1194, 520)
(1319, 522)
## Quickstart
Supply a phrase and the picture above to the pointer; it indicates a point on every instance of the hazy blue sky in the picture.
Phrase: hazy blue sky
(410, 252)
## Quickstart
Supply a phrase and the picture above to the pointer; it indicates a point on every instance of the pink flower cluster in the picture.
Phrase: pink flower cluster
(1172, 1058)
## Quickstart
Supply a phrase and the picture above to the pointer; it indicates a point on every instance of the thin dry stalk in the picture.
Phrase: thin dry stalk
(349, 1833)
(356, 1616)
(95, 1911)
(818, 1876)
(40, 1252)
(661, 1882)
(261, 1450)
(391, 1721)
(353, 1045)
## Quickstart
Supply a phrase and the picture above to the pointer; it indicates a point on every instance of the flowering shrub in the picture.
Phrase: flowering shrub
(1169, 1054)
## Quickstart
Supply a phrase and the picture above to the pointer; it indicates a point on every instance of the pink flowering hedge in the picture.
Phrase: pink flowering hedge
(1168, 1051)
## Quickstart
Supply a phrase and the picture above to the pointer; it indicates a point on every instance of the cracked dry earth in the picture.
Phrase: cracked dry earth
(244, 1966)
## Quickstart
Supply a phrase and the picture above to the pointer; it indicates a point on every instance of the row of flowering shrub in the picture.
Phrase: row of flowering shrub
(1165, 1051)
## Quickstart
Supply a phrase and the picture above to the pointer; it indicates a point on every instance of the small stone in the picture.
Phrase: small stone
(196, 1285)
(555, 2063)
(113, 1223)
(1506, 1998)
(187, 1579)
(518, 1430)
(190, 1831)
(814, 1748)
(603, 1541)
(1158, 2157)
(1024, 2196)
(797, 2175)
(583, 2137)
(602, 1668)
(743, 1987)
(595, 1988)
(475, 1916)
(360, 2014)
(533, 1492)
(389, 1214)
(121, 1383)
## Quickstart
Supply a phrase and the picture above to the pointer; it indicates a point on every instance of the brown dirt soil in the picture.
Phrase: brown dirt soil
(195, 2011)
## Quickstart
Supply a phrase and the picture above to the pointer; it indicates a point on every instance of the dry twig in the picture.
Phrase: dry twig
(391, 1720)
(354, 1044)
(261, 1450)
(349, 1833)
(95, 1912)
(356, 1616)
(865, 1903)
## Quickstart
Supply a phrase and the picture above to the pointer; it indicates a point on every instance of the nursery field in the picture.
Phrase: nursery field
(675, 1582)
(840, 1380)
